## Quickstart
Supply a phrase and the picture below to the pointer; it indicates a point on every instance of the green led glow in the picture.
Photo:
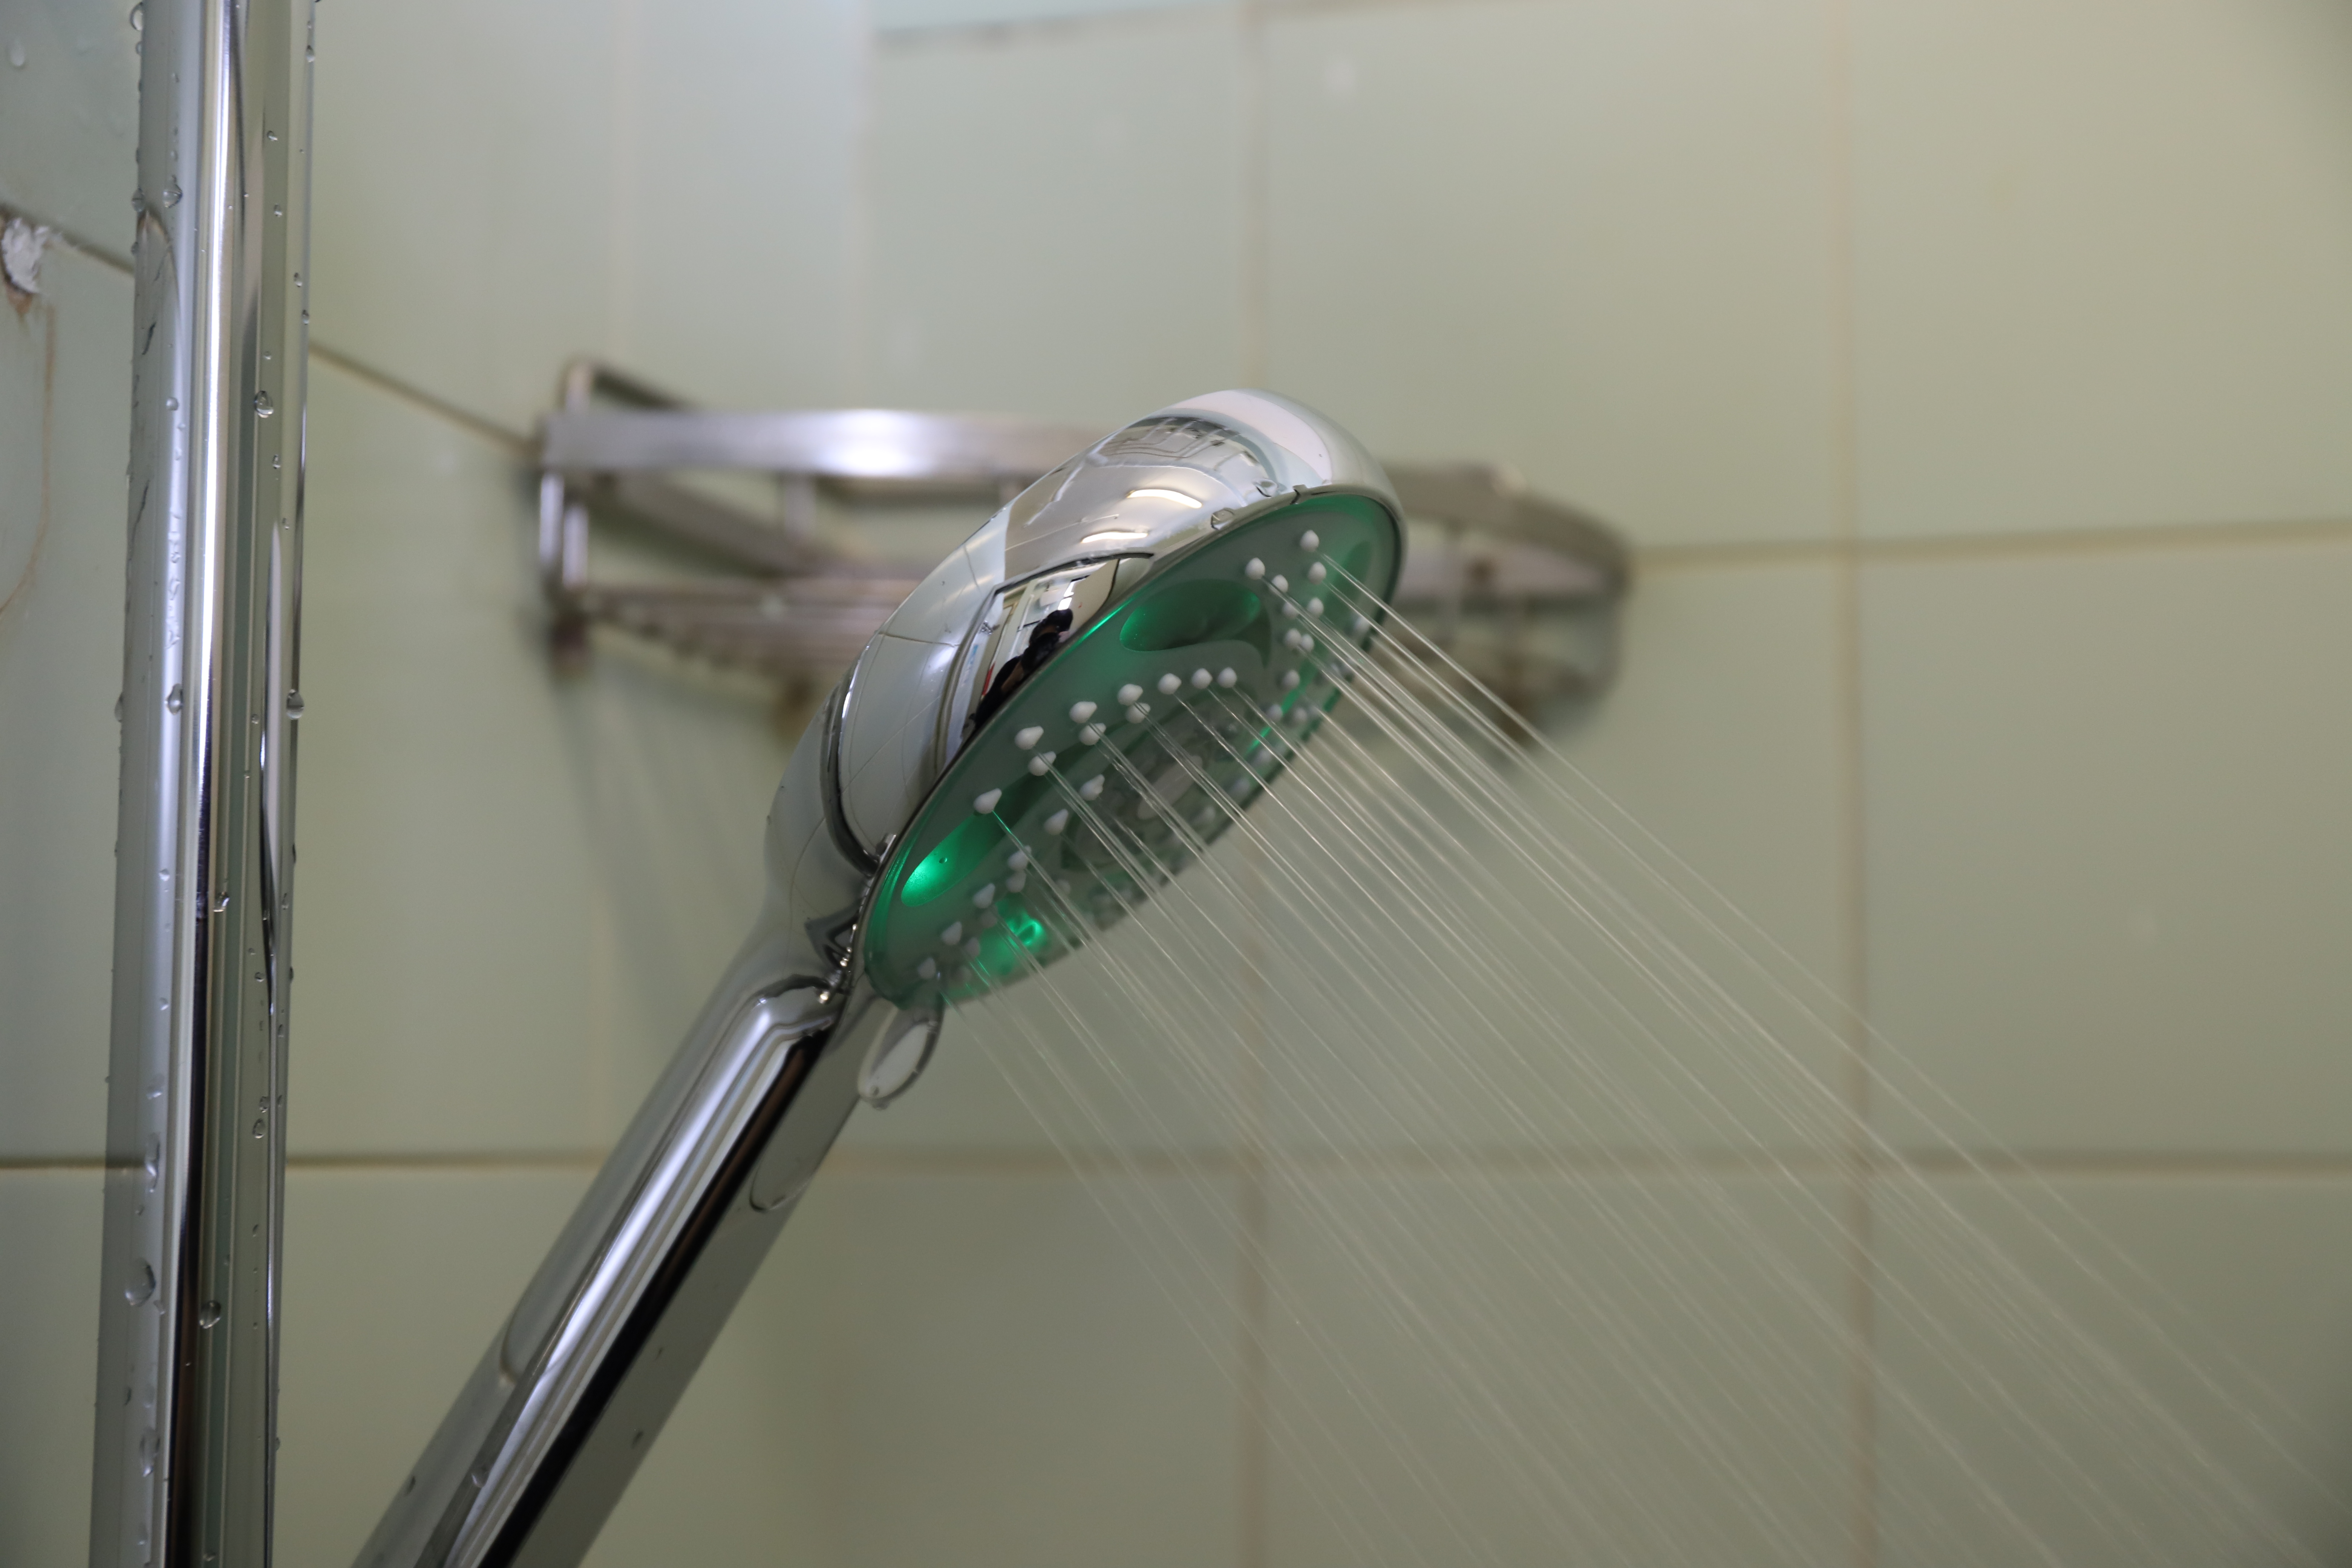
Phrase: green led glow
(1027, 930)
(1198, 615)
(944, 866)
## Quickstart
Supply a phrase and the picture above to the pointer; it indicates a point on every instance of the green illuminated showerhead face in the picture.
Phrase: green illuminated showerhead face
(1105, 764)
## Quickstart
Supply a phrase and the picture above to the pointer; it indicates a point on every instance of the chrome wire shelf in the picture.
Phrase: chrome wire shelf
(1519, 587)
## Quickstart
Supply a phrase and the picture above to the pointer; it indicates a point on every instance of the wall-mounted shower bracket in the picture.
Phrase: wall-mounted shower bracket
(1521, 588)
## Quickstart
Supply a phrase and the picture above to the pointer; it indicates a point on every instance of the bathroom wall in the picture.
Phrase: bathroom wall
(1971, 375)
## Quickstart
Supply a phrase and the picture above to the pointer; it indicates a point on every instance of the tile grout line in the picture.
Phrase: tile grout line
(852, 373)
(2131, 540)
(1254, 1461)
(515, 443)
(2134, 1165)
(625, 130)
(1861, 1261)
(951, 37)
(1256, 218)
(2137, 539)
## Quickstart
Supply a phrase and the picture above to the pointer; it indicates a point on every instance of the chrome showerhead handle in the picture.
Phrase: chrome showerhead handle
(923, 800)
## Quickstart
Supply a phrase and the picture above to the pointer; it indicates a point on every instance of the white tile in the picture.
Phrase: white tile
(49, 1224)
(2104, 263)
(395, 1281)
(1521, 1368)
(463, 178)
(1056, 220)
(1445, 980)
(1593, 241)
(69, 117)
(2110, 882)
(1028, 1370)
(2161, 1376)
(445, 883)
(65, 401)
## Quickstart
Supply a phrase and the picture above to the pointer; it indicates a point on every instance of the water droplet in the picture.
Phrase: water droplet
(155, 1088)
(208, 1314)
(139, 18)
(172, 193)
(173, 703)
(141, 1285)
(262, 406)
(154, 1162)
(277, 212)
(306, 318)
(17, 53)
(260, 1126)
(171, 403)
(118, 708)
(309, 53)
(148, 1448)
(139, 201)
(293, 705)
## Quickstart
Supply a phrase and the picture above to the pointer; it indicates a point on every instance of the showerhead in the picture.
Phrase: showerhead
(1032, 742)
(1036, 740)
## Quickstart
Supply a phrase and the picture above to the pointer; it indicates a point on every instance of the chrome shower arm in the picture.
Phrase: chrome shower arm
(566, 1403)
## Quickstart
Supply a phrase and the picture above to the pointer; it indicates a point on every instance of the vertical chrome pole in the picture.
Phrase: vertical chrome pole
(195, 1146)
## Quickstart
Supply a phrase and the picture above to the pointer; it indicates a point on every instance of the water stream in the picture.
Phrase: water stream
(1564, 1232)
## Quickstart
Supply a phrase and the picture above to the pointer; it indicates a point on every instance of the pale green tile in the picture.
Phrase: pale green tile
(1056, 220)
(1722, 737)
(734, 249)
(1445, 978)
(1525, 1368)
(65, 436)
(465, 218)
(69, 118)
(677, 763)
(2103, 262)
(2155, 1371)
(445, 902)
(1029, 1370)
(2110, 879)
(1593, 241)
(395, 1281)
(49, 1223)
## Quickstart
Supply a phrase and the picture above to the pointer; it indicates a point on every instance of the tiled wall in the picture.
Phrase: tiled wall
(1973, 376)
